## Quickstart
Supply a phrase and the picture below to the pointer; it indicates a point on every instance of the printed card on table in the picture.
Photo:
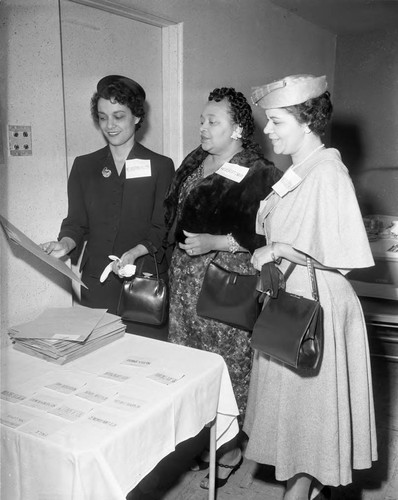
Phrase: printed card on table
(66, 382)
(126, 402)
(93, 427)
(14, 394)
(117, 373)
(98, 391)
(138, 362)
(72, 409)
(43, 400)
(107, 419)
(16, 415)
(43, 427)
(165, 377)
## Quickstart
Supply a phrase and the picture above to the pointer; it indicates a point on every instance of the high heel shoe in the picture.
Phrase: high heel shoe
(220, 482)
(199, 464)
(201, 461)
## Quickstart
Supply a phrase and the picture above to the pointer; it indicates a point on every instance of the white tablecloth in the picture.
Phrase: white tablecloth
(103, 454)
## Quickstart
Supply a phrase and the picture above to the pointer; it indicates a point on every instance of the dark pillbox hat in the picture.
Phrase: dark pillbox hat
(112, 79)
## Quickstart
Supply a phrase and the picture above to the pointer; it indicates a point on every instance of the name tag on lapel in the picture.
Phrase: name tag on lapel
(287, 183)
(137, 168)
(232, 171)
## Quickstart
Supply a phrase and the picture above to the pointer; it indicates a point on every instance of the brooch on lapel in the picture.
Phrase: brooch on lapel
(106, 172)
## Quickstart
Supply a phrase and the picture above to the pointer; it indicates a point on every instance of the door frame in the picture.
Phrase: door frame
(172, 57)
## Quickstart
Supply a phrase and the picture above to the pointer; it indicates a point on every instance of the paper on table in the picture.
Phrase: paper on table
(68, 323)
(166, 376)
(43, 400)
(44, 426)
(72, 409)
(14, 415)
(98, 391)
(126, 402)
(21, 239)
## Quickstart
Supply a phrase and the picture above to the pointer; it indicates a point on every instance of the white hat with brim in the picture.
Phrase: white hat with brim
(289, 91)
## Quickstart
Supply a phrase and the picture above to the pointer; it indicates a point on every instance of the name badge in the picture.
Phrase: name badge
(287, 183)
(137, 168)
(232, 171)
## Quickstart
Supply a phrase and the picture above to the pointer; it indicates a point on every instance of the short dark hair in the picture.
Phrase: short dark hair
(315, 112)
(119, 92)
(240, 110)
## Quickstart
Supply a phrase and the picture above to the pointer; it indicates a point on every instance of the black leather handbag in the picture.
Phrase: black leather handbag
(144, 298)
(229, 297)
(290, 328)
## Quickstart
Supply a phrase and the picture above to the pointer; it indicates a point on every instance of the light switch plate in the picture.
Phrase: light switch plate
(20, 140)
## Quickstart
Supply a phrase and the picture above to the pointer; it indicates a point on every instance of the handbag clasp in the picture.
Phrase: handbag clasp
(233, 278)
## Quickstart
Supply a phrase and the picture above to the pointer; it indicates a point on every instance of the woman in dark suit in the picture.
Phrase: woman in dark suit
(115, 198)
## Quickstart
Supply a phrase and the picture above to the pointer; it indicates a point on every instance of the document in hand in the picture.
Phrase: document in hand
(19, 238)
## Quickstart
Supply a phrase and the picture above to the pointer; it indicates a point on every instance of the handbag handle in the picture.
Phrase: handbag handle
(232, 272)
(141, 264)
(311, 274)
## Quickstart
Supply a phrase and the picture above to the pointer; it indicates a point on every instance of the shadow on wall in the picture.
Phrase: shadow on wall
(376, 187)
(346, 137)
(377, 190)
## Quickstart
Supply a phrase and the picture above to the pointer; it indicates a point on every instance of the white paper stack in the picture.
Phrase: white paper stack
(63, 334)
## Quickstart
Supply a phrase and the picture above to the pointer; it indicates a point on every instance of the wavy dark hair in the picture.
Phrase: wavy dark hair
(123, 94)
(240, 110)
(315, 112)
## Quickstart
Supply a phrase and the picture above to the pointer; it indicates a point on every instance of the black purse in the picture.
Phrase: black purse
(229, 297)
(144, 299)
(290, 328)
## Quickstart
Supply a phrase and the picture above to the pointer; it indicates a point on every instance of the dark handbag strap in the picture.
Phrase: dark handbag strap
(311, 273)
(140, 265)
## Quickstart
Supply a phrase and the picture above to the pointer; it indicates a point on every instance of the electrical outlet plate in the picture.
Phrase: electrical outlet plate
(20, 140)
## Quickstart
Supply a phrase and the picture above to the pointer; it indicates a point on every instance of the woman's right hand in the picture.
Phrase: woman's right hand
(261, 256)
(58, 249)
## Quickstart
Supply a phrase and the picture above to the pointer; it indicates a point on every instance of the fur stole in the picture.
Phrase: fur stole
(218, 205)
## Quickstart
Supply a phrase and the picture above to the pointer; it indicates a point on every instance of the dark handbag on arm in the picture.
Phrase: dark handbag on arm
(290, 328)
(229, 297)
(144, 298)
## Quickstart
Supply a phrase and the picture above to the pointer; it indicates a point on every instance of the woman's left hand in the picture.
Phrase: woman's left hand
(261, 256)
(129, 257)
(197, 243)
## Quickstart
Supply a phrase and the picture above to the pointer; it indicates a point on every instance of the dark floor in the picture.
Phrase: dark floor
(172, 479)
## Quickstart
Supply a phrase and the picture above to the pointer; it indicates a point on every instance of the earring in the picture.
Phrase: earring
(237, 133)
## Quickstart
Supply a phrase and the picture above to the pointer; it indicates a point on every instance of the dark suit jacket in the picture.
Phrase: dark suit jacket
(114, 213)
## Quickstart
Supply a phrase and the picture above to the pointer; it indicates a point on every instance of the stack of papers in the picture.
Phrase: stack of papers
(63, 334)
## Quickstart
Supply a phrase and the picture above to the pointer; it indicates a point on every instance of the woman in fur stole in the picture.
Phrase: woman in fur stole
(211, 209)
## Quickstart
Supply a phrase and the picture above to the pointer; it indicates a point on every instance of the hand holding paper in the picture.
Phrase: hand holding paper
(19, 238)
(58, 249)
